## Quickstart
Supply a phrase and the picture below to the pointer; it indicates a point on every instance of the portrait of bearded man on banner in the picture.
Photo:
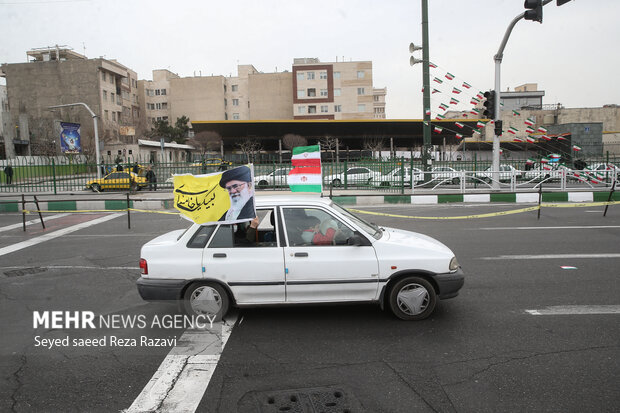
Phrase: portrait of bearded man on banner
(238, 183)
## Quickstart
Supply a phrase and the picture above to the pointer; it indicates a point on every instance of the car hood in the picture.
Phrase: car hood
(408, 238)
(165, 239)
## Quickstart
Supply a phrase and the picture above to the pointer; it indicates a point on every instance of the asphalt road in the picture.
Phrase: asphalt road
(479, 352)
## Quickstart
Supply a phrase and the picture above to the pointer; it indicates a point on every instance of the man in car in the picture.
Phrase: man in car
(238, 183)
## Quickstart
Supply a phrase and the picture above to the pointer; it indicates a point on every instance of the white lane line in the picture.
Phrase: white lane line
(550, 256)
(34, 221)
(548, 228)
(69, 267)
(55, 234)
(182, 378)
(576, 310)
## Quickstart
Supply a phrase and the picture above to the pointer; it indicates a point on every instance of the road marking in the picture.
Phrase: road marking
(548, 228)
(69, 267)
(34, 221)
(550, 256)
(55, 234)
(577, 310)
(182, 378)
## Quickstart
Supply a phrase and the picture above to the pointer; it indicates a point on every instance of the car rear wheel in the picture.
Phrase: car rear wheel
(263, 183)
(456, 181)
(96, 187)
(208, 299)
(336, 182)
(412, 298)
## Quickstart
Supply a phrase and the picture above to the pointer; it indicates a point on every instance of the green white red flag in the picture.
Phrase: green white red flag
(439, 116)
(466, 85)
(542, 129)
(513, 130)
(479, 124)
(529, 129)
(449, 76)
(576, 148)
(459, 125)
(459, 136)
(437, 129)
(515, 113)
(518, 140)
(433, 65)
(454, 101)
(455, 90)
(529, 122)
(529, 139)
(306, 173)
(443, 106)
(438, 80)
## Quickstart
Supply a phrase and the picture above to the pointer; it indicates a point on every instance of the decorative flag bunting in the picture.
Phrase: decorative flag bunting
(529, 122)
(555, 156)
(530, 161)
(438, 80)
(576, 148)
(515, 113)
(455, 90)
(438, 129)
(459, 136)
(443, 106)
(459, 125)
(439, 116)
(513, 130)
(545, 137)
(433, 65)
(547, 167)
(530, 139)
(306, 173)
(560, 138)
(480, 95)
(474, 101)
(435, 91)
(541, 129)
(449, 76)
(544, 160)
(529, 129)
(428, 112)
(466, 85)
(518, 140)
(475, 111)
(479, 124)
(454, 101)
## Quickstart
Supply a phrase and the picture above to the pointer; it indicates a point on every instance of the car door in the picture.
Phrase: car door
(252, 268)
(317, 271)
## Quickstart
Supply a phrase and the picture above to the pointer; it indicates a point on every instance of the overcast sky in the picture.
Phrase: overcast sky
(573, 56)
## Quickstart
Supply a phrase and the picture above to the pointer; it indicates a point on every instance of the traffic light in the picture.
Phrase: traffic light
(534, 10)
(489, 105)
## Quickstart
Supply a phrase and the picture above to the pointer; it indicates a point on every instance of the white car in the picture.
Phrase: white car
(395, 177)
(446, 174)
(305, 250)
(279, 177)
(357, 175)
(602, 172)
(505, 173)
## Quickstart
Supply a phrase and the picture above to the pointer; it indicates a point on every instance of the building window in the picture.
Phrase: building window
(150, 92)
(337, 108)
(337, 92)
(106, 115)
(114, 116)
(235, 88)
(323, 92)
(158, 106)
(165, 118)
(301, 109)
(336, 75)
(163, 92)
(310, 75)
(324, 109)
(375, 98)
(360, 74)
(103, 76)
(300, 76)
(312, 109)
(360, 91)
(235, 102)
(323, 75)
(235, 116)
(301, 93)
(112, 97)
(311, 92)
(225, 102)
(111, 79)
(105, 95)
(361, 108)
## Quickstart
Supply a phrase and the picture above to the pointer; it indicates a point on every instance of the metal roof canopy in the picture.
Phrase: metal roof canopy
(406, 132)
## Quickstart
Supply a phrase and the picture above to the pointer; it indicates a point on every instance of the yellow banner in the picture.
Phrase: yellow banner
(223, 197)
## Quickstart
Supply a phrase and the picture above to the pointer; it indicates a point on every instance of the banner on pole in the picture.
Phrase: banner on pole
(70, 141)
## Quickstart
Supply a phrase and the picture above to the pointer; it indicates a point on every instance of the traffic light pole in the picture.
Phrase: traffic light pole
(498, 65)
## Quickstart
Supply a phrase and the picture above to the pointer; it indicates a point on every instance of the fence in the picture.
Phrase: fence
(389, 175)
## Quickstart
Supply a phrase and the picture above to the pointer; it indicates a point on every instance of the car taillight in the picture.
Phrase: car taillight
(144, 266)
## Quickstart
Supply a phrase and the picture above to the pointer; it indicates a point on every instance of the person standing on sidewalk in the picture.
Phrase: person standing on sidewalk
(151, 178)
(8, 171)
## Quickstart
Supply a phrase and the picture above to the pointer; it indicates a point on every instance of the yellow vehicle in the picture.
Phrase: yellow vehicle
(118, 180)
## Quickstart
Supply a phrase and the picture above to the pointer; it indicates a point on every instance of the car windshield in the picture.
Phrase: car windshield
(369, 228)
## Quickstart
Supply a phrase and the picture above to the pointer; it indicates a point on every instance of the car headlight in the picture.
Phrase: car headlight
(454, 264)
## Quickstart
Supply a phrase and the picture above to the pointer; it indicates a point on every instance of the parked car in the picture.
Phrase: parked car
(357, 175)
(505, 173)
(117, 180)
(395, 177)
(305, 250)
(602, 172)
(279, 177)
(446, 174)
(542, 171)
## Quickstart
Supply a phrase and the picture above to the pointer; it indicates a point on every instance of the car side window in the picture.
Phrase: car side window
(223, 237)
(313, 226)
(243, 236)
(201, 236)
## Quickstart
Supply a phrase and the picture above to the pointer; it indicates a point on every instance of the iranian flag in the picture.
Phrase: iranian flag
(433, 65)
(459, 136)
(459, 125)
(443, 106)
(435, 91)
(480, 95)
(306, 173)
(529, 122)
(474, 101)
(544, 160)
(545, 137)
(529, 129)
(541, 129)
(454, 101)
(529, 139)
(576, 148)
(517, 140)
(530, 161)
(428, 112)
(437, 129)
(440, 116)
(515, 113)
(561, 138)
(513, 130)
(466, 85)
(555, 156)
(449, 76)
(455, 90)
(479, 124)
(438, 80)
(475, 111)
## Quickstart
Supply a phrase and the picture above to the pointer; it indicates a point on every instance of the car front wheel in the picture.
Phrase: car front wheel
(96, 187)
(208, 299)
(412, 298)
(336, 182)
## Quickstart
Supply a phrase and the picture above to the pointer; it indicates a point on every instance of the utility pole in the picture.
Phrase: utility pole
(426, 126)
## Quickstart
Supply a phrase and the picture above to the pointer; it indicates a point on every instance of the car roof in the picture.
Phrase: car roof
(294, 200)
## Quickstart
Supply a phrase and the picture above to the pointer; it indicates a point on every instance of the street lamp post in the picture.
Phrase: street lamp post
(97, 153)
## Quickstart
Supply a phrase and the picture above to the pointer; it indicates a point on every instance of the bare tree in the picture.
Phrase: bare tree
(291, 141)
(374, 144)
(329, 144)
(43, 138)
(249, 146)
(206, 141)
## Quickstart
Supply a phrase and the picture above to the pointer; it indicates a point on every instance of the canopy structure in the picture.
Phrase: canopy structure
(406, 133)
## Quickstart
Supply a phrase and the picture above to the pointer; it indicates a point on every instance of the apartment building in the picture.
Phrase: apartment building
(55, 76)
